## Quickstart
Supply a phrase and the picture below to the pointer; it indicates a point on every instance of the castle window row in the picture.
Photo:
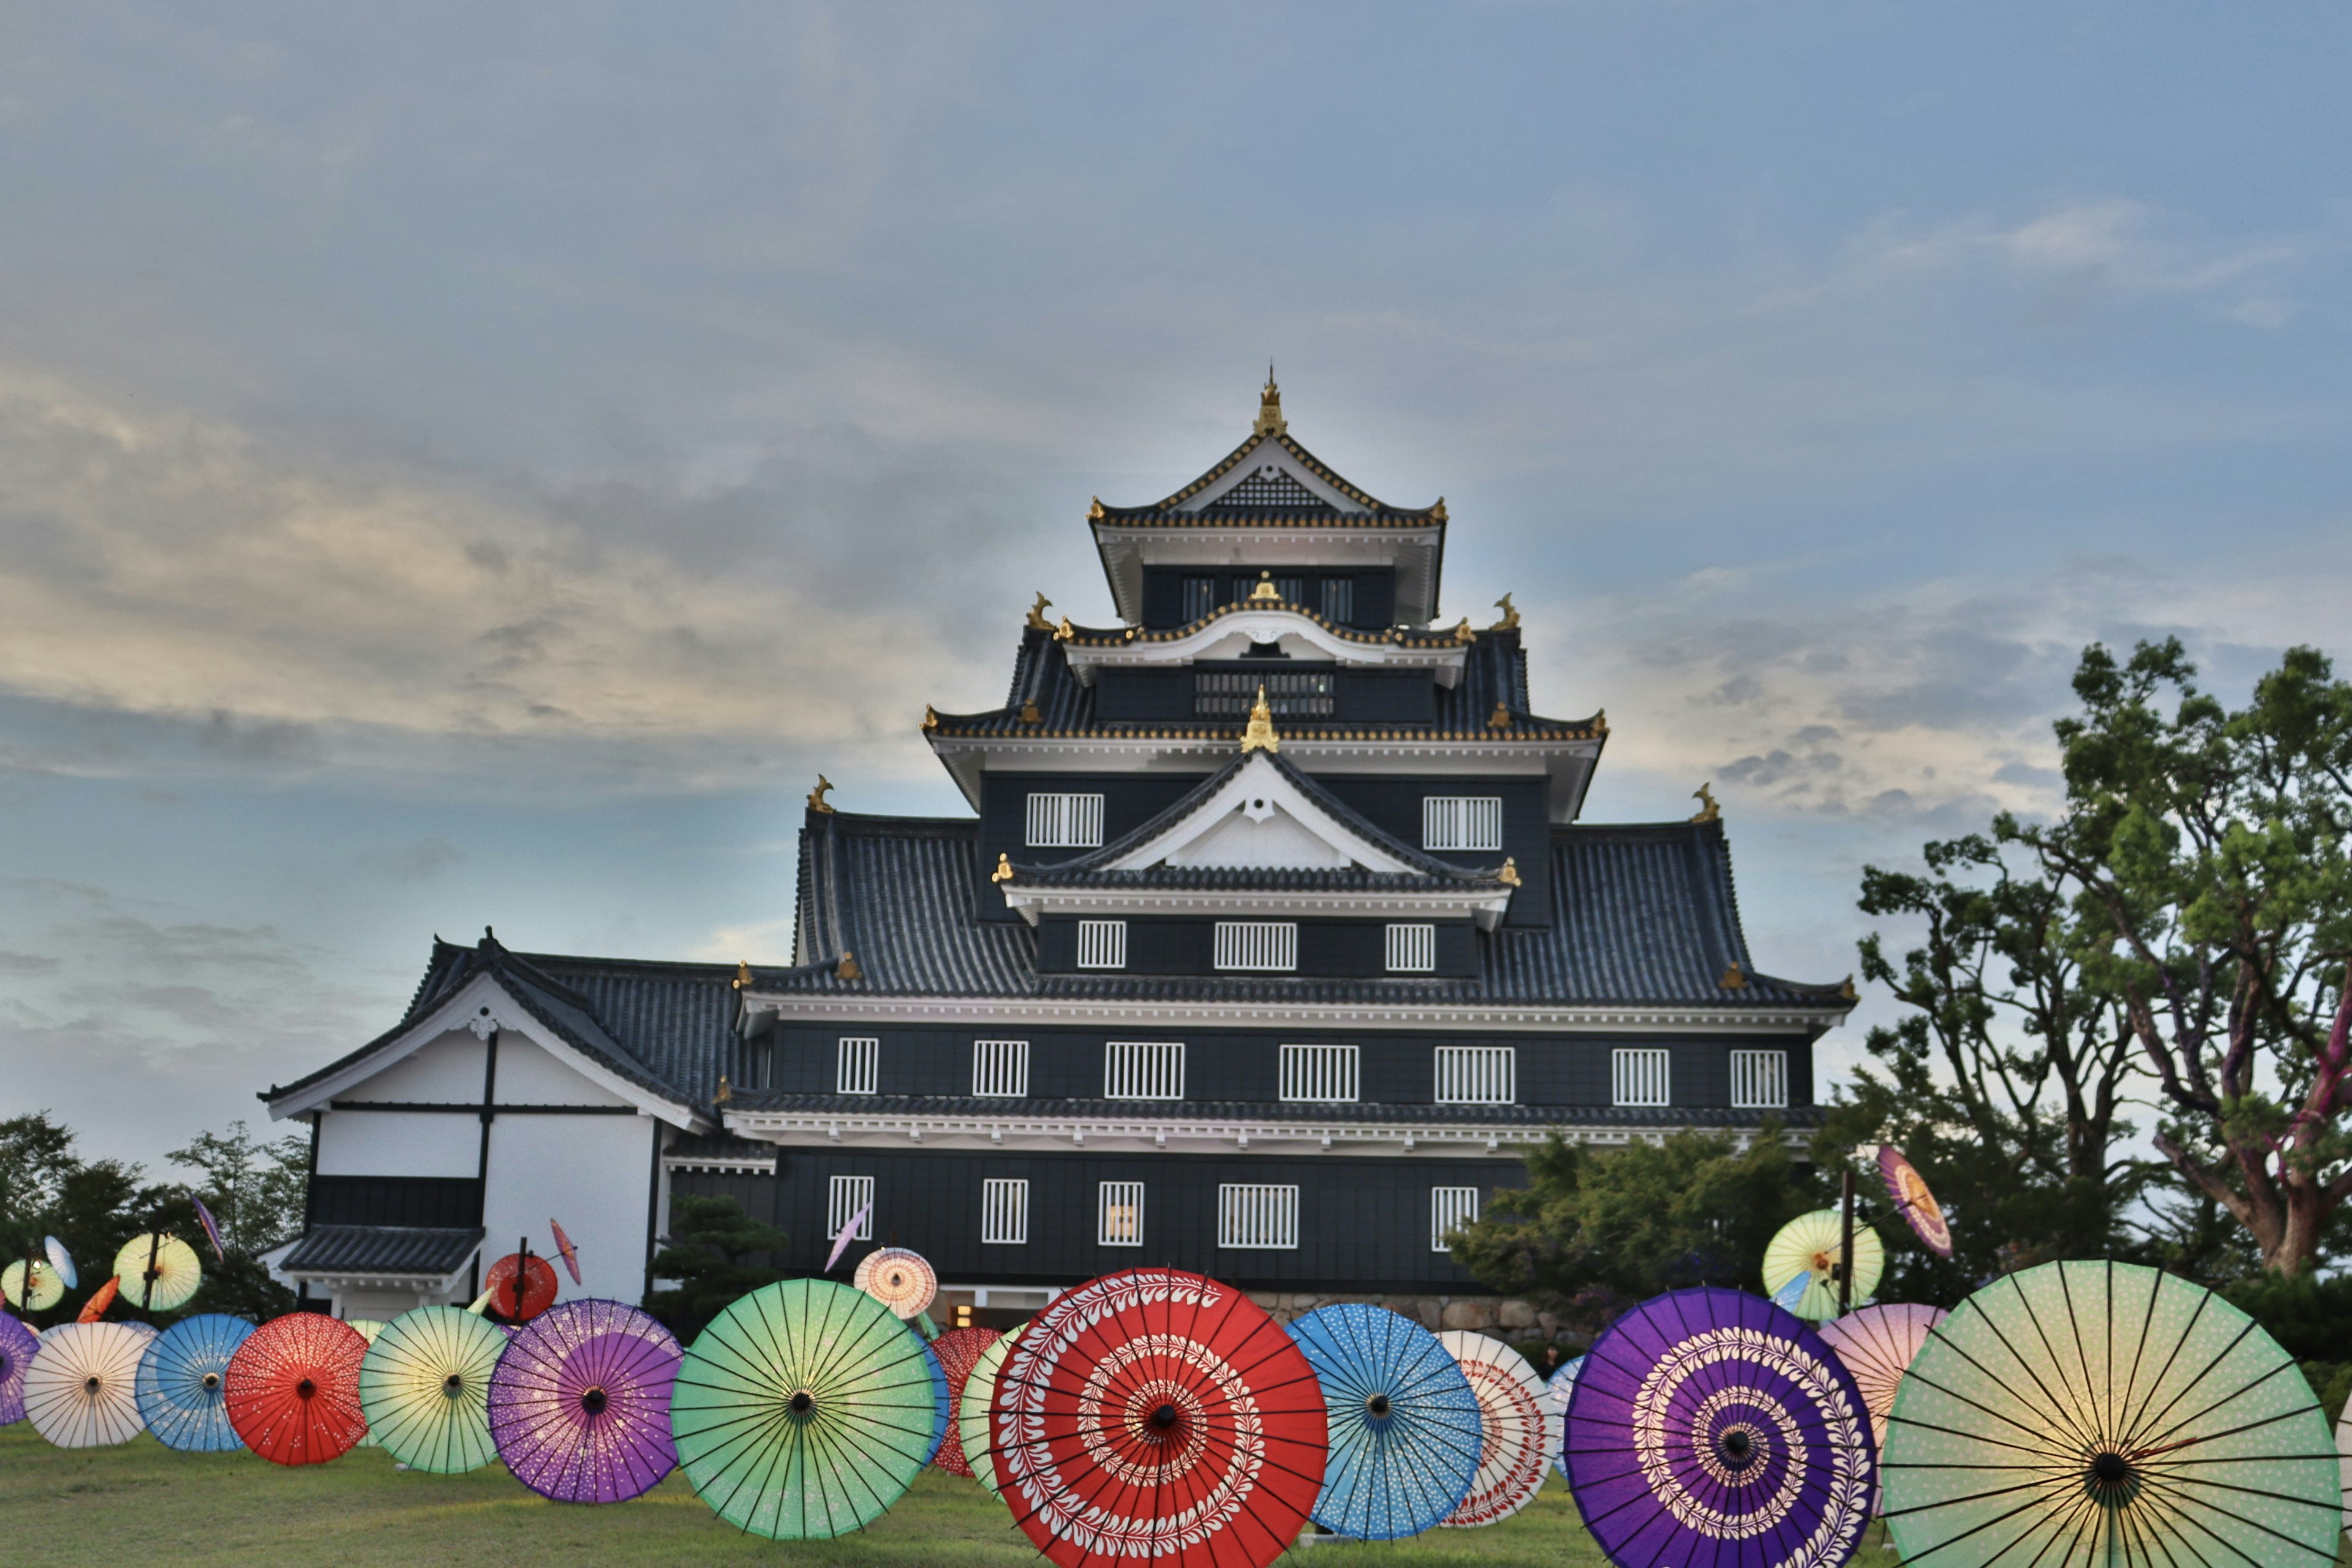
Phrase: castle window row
(1327, 1074)
(1261, 1217)
(1261, 947)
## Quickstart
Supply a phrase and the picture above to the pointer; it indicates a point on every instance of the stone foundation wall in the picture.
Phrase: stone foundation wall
(1504, 1316)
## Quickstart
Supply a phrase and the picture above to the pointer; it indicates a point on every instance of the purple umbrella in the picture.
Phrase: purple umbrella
(1711, 1427)
(18, 1345)
(579, 1402)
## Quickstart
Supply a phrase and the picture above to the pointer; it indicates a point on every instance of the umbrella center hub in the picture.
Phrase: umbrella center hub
(212, 1381)
(1164, 1417)
(91, 1384)
(800, 1404)
(454, 1384)
(305, 1389)
(1738, 1447)
(594, 1401)
(1378, 1405)
(2113, 1481)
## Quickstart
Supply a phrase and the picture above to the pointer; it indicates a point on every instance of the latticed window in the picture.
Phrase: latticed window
(1059, 821)
(1759, 1080)
(1321, 1074)
(1450, 1208)
(1639, 1076)
(1462, 822)
(1141, 1069)
(1339, 600)
(1200, 597)
(1412, 948)
(1005, 1213)
(1120, 1214)
(848, 1198)
(1475, 1075)
(999, 1068)
(1257, 945)
(1228, 693)
(857, 1066)
(1270, 486)
(1255, 1216)
(1102, 944)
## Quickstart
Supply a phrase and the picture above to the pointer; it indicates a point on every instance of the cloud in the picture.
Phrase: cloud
(415, 862)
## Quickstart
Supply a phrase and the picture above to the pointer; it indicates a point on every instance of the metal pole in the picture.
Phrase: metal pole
(522, 1275)
(147, 1283)
(1845, 1250)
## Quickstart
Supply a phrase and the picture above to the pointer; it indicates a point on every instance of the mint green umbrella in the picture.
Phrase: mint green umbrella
(424, 1388)
(2102, 1413)
(804, 1410)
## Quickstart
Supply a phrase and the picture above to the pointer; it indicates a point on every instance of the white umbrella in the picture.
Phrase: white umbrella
(1519, 1428)
(81, 1390)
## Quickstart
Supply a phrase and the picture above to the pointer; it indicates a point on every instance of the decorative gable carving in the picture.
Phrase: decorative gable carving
(1269, 476)
(1260, 820)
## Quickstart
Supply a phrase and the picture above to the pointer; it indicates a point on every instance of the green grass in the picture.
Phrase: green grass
(147, 1504)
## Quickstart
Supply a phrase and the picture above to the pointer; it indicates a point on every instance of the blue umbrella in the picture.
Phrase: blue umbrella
(1403, 1421)
(1563, 1383)
(62, 1261)
(179, 1383)
(940, 1400)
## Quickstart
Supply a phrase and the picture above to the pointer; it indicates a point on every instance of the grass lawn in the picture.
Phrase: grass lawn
(142, 1503)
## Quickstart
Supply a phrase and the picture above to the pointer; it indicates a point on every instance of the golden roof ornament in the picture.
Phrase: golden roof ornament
(1095, 512)
(1029, 714)
(1734, 979)
(1463, 634)
(1438, 512)
(1601, 722)
(848, 968)
(742, 973)
(1708, 809)
(1509, 874)
(816, 800)
(1500, 718)
(1065, 631)
(930, 718)
(1510, 616)
(1260, 735)
(1846, 990)
(724, 1094)
(1266, 592)
(1037, 621)
(1270, 421)
(1003, 872)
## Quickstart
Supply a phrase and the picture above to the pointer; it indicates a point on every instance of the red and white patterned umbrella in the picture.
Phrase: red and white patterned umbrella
(1159, 1415)
(1519, 1428)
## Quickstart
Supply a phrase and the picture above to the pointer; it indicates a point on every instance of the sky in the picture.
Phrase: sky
(469, 466)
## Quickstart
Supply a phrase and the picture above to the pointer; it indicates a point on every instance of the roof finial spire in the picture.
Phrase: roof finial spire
(1260, 735)
(1269, 407)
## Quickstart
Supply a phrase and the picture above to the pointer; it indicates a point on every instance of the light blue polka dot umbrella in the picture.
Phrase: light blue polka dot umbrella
(944, 1404)
(1562, 1383)
(1403, 1421)
(179, 1383)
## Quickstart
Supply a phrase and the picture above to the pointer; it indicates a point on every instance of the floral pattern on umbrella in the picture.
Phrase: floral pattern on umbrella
(1520, 1429)
(18, 1345)
(1913, 1201)
(182, 1383)
(580, 1403)
(294, 1389)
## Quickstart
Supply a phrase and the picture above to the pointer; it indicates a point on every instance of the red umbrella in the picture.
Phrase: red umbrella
(958, 1351)
(536, 1295)
(100, 1300)
(293, 1389)
(1156, 1414)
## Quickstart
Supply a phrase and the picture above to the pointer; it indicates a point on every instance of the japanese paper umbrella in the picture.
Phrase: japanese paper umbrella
(1917, 1206)
(942, 1403)
(1876, 1344)
(804, 1410)
(294, 1389)
(1562, 1384)
(2343, 1448)
(579, 1402)
(159, 1273)
(367, 1329)
(18, 1345)
(538, 1287)
(179, 1384)
(78, 1390)
(1403, 1418)
(1810, 1246)
(2097, 1413)
(48, 1288)
(1157, 1413)
(570, 1253)
(959, 1351)
(971, 1413)
(1520, 1429)
(1710, 1426)
(424, 1388)
(901, 1280)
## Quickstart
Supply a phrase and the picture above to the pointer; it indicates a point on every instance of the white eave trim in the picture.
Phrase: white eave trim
(464, 1009)
(1487, 908)
(1231, 633)
(363, 1280)
(1322, 1016)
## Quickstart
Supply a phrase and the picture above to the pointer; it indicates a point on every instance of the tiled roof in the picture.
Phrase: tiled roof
(1494, 675)
(964, 1106)
(1289, 502)
(1641, 915)
(381, 1249)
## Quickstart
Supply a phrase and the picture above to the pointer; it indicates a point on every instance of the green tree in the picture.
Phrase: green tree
(254, 1190)
(716, 1253)
(2212, 846)
(1594, 1231)
(93, 1207)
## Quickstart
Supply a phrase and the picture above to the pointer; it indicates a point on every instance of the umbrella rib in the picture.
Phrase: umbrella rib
(2130, 1438)
(2056, 1365)
(2186, 1506)
(2153, 1443)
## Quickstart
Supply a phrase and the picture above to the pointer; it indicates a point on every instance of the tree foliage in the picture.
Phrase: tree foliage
(715, 1252)
(1595, 1231)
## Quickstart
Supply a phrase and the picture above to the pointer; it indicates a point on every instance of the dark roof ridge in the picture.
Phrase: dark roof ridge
(878, 823)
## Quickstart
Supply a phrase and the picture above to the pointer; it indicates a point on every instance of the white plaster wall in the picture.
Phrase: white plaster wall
(529, 1075)
(439, 1072)
(399, 1143)
(590, 1172)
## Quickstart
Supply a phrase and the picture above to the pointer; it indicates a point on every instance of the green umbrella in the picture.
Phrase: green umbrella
(424, 1388)
(804, 1410)
(2100, 1413)
(972, 1414)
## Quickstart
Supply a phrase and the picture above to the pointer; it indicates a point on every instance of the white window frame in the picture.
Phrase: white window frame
(858, 1065)
(1143, 1069)
(1058, 820)
(1759, 1081)
(1461, 822)
(1450, 1208)
(1321, 1074)
(1004, 1212)
(846, 1197)
(1257, 1216)
(1102, 944)
(1641, 1076)
(1118, 1213)
(1268, 947)
(1413, 947)
(1000, 1070)
(1475, 1075)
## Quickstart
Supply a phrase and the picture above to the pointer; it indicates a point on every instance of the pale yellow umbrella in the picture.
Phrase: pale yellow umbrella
(1809, 1247)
